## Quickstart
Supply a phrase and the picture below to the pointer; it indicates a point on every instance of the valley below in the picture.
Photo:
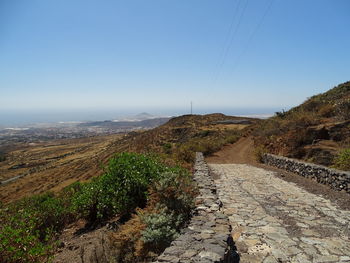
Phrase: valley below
(53, 164)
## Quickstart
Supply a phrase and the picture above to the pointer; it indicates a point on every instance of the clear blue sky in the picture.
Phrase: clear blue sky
(161, 54)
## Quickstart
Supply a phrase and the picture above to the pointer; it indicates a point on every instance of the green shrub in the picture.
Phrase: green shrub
(342, 161)
(45, 213)
(28, 228)
(87, 202)
(120, 189)
(22, 245)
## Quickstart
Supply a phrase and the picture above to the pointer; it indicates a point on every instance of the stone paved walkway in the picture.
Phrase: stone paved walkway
(276, 221)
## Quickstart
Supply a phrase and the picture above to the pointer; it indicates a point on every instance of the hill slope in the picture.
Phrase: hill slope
(55, 164)
(316, 130)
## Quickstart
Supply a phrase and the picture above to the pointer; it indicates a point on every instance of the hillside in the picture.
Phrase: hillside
(139, 194)
(52, 165)
(317, 131)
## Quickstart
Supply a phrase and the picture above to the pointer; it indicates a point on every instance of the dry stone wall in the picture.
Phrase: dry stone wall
(207, 238)
(339, 180)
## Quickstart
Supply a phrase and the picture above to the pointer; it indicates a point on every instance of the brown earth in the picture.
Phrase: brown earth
(54, 165)
(242, 152)
(80, 245)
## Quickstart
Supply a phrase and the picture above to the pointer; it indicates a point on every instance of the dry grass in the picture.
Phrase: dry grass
(128, 243)
(296, 133)
(54, 165)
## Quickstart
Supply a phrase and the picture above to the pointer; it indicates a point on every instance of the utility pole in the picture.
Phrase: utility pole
(191, 107)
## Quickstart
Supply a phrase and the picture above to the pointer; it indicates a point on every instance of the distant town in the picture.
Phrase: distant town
(73, 130)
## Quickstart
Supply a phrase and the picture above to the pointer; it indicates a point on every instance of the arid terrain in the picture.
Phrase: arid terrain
(53, 165)
(316, 131)
(227, 141)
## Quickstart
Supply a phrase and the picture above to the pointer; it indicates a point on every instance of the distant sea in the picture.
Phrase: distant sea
(21, 118)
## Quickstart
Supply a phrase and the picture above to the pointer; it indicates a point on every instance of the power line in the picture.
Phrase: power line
(233, 36)
(227, 39)
(253, 34)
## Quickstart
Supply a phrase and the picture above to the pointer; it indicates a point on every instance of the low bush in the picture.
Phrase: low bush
(2, 157)
(232, 138)
(21, 244)
(151, 230)
(259, 152)
(208, 144)
(120, 189)
(280, 114)
(342, 161)
(128, 243)
(28, 228)
(175, 191)
(343, 110)
(326, 110)
(161, 228)
(173, 199)
(185, 153)
(167, 147)
(204, 133)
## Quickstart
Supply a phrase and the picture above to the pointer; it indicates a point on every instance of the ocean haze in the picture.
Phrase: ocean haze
(20, 118)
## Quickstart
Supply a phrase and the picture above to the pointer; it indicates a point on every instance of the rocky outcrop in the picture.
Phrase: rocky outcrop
(207, 237)
(339, 180)
(91, 247)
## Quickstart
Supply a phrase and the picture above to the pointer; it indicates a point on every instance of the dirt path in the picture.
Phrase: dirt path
(277, 221)
(240, 152)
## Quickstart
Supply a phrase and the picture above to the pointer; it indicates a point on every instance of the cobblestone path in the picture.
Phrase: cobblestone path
(277, 221)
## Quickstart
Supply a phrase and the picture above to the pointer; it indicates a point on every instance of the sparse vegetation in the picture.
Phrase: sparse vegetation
(171, 200)
(29, 226)
(205, 144)
(315, 130)
(151, 192)
(2, 157)
(342, 161)
(182, 136)
(259, 153)
(167, 148)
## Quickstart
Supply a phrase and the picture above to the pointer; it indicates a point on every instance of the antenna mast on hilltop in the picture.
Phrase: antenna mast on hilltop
(191, 107)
